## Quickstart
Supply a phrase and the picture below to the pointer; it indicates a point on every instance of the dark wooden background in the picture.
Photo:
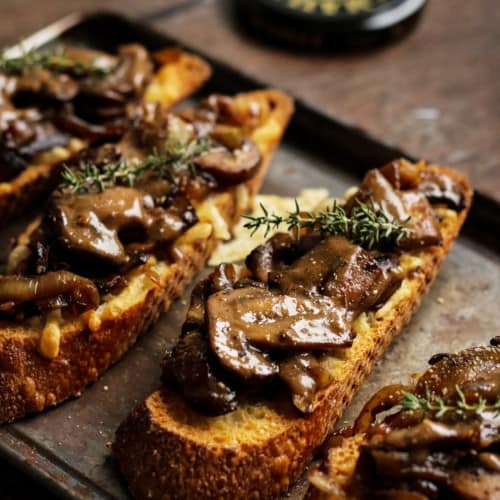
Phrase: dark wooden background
(434, 94)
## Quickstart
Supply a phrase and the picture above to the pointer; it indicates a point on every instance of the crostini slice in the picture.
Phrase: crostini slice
(261, 439)
(62, 327)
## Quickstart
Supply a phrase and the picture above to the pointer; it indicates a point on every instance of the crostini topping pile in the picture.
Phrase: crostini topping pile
(47, 98)
(267, 325)
(120, 204)
(438, 439)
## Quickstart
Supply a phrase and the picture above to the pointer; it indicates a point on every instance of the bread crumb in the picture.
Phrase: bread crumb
(106, 388)
(440, 300)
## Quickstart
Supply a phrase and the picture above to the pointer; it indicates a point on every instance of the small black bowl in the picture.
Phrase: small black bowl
(318, 27)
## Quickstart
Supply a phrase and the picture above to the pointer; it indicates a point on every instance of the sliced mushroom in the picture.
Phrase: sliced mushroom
(68, 120)
(46, 136)
(278, 252)
(430, 433)
(438, 187)
(70, 288)
(353, 277)
(304, 377)
(223, 277)
(231, 347)
(188, 366)
(476, 371)
(385, 398)
(308, 274)
(276, 321)
(128, 78)
(231, 167)
(195, 315)
(94, 226)
(88, 56)
(477, 484)
(441, 188)
(39, 85)
(401, 174)
(362, 280)
(401, 205)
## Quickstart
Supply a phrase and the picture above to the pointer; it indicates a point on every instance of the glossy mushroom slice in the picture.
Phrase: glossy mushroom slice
(476, 371)
(436, 186)
(353, 277)
(93, 226)
(274, 321)
(410, 207)
(231, 167)
(188, 366)
(277, 253)
(50, 290)
(128, 78)
(304, 377)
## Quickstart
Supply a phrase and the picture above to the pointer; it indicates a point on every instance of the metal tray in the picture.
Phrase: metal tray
(67, 448)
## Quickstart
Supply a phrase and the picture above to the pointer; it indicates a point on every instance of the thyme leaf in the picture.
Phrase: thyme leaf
(435, 405)
(367, 225)
(56, 61)
(168, 164)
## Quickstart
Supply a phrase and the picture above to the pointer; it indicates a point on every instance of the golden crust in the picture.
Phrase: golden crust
(166, 449)
(29, 382)
(181, 75)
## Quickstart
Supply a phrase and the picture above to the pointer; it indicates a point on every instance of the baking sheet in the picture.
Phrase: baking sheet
(67, 447)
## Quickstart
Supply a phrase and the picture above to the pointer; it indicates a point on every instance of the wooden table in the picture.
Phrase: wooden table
(434, 94)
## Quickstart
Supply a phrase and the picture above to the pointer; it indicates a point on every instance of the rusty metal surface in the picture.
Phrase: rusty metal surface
(68, 447)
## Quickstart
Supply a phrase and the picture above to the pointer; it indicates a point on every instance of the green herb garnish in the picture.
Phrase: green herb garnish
(168, 164)
(367, 225)
(55, 61)
(435, 405)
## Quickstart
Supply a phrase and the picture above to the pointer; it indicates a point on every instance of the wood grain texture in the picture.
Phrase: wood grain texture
(435, 93)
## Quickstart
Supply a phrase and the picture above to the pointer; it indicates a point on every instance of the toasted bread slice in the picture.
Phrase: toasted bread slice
(180, 75)
(167, 450)
(89, 344)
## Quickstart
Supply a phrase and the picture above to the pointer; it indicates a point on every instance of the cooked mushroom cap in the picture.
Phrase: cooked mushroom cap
(476, 371)
(66, 287)
(229, 342)
(401, 205)
(245, 317)
(231, 167)
(304, 376)
(91, 225)
(189, 367)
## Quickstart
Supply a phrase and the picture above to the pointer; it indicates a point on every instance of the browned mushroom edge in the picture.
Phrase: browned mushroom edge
(267, 325)
(87, 243)
(446, 450)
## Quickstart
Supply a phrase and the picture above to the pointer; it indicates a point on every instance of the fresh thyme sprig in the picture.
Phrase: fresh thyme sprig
(436, 405)
(55, 61)
(169, 163)
(366, 225)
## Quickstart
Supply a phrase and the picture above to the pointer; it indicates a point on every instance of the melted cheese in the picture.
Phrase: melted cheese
(243, 242)
(208, 212)
(141, 281)
(59, 154)
(50, 339)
